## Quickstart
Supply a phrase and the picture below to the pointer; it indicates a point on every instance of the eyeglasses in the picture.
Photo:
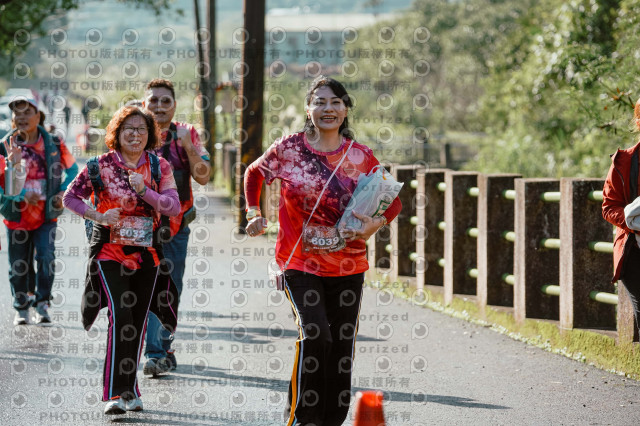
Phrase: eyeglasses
(130, 130)
(164, 100)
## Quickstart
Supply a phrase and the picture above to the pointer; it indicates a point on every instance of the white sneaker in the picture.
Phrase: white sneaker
(22, 317)
(133, 404)
(115, 406)
(42, 314)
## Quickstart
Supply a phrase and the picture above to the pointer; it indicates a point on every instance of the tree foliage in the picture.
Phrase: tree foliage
(550, 83)
(561, 106)
(20, 21)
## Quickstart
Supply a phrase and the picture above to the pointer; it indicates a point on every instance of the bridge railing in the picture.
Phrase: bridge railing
(539, 246)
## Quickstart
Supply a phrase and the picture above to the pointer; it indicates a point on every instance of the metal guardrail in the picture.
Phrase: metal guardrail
(509, 194)
(550, 197)
(551, 290)
(602, 297)
(509, 236)
(550, 243)
(596, 196)
(509, 279)
(601, 246)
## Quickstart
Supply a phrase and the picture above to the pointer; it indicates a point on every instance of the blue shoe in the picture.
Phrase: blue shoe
(22, 317)
(155, 366)
(171, 359)
(42, 314)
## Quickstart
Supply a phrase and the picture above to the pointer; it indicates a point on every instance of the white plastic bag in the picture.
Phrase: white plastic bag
(374, 193)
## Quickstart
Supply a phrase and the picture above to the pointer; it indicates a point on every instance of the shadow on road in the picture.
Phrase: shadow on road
(422, 398)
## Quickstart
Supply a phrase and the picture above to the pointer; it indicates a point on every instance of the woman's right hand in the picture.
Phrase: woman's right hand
(110, 217)
(256, 226)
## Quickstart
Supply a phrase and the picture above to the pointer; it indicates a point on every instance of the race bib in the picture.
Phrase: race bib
(320, 239)
(133, 231)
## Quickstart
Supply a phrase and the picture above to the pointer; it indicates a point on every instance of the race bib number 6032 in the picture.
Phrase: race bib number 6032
(133, 231)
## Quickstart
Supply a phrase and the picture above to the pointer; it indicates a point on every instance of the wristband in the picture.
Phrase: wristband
(144, 191)
(251, 213)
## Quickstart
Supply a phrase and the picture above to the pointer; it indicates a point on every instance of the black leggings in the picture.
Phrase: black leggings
(326, 310)
(129, 293)
(631, 279)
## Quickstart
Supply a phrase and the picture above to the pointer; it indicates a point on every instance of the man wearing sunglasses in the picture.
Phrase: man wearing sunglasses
(188, 159)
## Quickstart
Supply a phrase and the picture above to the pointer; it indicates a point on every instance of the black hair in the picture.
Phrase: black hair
(339, 90)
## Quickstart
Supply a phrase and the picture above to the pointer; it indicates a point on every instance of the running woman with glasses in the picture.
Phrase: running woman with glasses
(130, 188)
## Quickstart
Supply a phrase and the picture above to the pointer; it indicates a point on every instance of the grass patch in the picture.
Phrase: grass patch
(583, 346)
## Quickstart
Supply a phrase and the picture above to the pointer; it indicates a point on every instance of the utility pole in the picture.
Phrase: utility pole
(211, 81)
(251, 94)
(207, 76)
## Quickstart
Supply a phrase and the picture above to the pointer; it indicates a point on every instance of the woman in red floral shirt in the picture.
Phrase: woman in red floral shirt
(323, 281)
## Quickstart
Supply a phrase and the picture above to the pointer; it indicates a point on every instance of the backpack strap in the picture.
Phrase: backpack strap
(156, 173)
(172, 135)
(163, 233)
(93, 167)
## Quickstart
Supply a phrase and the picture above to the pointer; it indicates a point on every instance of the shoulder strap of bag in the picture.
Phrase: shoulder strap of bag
(317, 203)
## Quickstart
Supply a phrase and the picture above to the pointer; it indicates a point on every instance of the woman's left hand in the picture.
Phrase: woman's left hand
(370, 226)
(136, 181)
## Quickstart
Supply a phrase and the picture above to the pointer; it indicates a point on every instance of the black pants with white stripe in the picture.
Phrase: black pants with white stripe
(129, 296)
(326, 311)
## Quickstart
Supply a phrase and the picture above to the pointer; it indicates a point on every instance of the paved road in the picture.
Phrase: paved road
(235, 342)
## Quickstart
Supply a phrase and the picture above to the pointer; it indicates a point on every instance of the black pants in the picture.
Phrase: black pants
(326, 310)
(631, 278)
(129, 294)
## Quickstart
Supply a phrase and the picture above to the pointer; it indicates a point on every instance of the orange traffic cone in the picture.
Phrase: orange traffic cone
(368, 410)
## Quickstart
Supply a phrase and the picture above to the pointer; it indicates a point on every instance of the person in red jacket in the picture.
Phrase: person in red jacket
(325, 272)
(618, 192)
